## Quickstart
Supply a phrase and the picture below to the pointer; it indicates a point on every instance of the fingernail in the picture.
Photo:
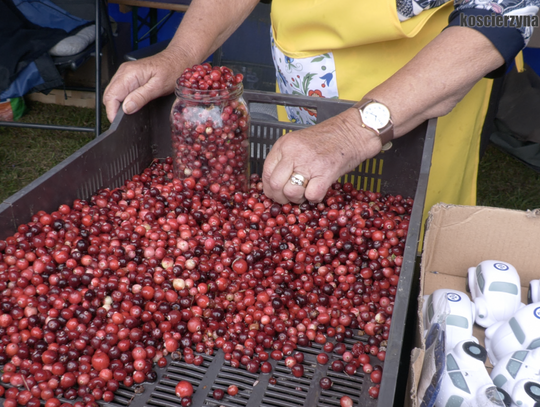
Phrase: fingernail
(129, 107)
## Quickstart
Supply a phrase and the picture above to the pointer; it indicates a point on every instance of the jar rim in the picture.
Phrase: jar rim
(188, 93)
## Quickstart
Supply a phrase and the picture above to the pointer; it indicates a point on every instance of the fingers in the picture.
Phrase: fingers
(141, 96)
(316, 189)
(294, 192)
(118, 89)
(135, 84)
(280, 188)
(112, 109)
(275, 180)
(279, 167)
(112, 101)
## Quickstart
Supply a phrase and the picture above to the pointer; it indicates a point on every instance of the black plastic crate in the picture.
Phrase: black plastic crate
(130, 145)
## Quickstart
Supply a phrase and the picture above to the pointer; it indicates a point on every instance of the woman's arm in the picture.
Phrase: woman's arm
(206, 25)
(436, 79)
(430, 85)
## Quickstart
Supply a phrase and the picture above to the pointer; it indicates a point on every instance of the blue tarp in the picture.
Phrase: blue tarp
(47, 14)
(28, 29)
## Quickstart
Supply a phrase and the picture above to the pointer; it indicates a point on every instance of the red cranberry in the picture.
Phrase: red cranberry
(337, 366)
(297, 370)
(325, 383)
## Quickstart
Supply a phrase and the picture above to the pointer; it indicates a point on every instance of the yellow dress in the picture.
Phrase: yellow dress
(369, 44)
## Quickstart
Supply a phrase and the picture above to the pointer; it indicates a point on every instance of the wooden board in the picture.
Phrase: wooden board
(174, 5)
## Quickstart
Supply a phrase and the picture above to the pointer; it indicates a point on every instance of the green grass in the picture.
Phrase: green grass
(25, 154)
(505, 182)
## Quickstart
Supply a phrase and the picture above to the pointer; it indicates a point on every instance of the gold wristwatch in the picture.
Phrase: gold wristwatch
(376, 117)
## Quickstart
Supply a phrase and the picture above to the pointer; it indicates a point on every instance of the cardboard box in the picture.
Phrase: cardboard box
(65, 98)
(459, 237)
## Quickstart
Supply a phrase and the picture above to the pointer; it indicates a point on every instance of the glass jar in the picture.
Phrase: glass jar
(210, 137)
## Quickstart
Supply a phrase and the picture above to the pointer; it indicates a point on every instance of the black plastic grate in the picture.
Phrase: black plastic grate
(254, 389)
(163, 394)
(240, 377)
(343, 385)
(311, 351)
(289, 391)
(262, 137)
(125, 395)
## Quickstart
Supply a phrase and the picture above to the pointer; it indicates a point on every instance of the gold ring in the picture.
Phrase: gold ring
(300, 180)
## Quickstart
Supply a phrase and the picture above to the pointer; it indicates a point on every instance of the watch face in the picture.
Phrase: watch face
(376, 115)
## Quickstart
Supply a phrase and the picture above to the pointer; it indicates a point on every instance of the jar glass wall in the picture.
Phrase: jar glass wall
(210, 136)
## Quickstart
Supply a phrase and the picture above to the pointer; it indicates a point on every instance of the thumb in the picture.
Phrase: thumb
(134, 101)
(141, 96)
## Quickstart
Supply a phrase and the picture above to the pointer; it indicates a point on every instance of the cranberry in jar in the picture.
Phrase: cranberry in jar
(210, 128)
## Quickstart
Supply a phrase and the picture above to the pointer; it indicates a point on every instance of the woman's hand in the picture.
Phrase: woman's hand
(205, 26)
(321, 154)
(138, 82)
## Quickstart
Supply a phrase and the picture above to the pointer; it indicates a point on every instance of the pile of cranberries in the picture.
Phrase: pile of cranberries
(210, 128)
(95, 295)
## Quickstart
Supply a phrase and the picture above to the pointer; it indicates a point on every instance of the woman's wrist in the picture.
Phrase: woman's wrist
(365, 143)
